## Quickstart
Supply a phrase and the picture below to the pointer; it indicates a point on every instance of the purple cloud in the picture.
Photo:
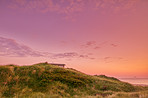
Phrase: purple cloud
(10, 48)
(70, 8)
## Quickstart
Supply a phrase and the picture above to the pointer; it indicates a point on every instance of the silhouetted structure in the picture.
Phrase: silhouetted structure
(60, 65)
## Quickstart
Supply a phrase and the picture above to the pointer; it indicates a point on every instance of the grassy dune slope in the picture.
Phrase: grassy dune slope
(47, 81)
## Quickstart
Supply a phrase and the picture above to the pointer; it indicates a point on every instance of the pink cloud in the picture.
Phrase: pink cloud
(114, 45)
(89, 44)
(109, 59)
(94, 45)
(97, 47)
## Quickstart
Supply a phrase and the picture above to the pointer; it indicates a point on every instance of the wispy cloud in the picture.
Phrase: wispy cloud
(10, 48)
(66, 55)
(94, 45)
(109, 59)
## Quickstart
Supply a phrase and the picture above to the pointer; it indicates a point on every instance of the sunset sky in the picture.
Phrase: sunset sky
(93, 36)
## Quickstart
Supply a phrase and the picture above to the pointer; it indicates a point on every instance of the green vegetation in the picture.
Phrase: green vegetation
(48, 81)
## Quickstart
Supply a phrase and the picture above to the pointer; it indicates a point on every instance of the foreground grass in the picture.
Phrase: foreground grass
(47, 81)
(140, 94)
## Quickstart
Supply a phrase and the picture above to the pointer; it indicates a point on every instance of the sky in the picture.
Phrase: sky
(93, 36)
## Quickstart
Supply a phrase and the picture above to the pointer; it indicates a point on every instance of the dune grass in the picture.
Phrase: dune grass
(48, 81)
